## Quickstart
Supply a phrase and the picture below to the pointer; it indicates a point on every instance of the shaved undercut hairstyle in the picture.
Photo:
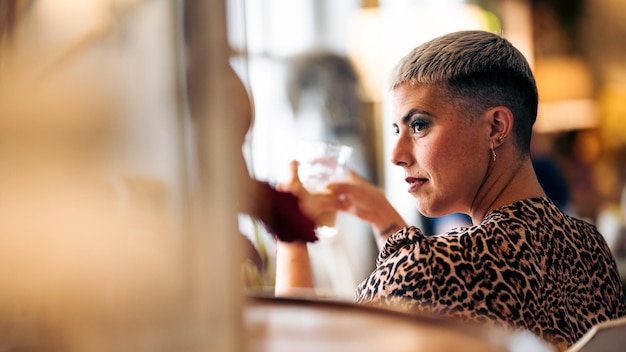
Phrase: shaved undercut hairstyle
(475, 71)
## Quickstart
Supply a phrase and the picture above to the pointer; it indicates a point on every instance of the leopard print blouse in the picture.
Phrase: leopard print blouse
(527, 265)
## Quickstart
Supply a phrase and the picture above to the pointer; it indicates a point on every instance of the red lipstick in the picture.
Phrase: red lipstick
(415, 183)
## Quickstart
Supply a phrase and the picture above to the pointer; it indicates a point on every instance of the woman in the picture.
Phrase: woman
(464, 107)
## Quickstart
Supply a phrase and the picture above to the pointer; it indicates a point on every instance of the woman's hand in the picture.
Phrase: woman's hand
(367, 202)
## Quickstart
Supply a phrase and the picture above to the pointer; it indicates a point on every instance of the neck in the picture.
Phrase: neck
(508, 180)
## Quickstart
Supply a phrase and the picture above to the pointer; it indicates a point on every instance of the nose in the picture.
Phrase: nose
(401, 154)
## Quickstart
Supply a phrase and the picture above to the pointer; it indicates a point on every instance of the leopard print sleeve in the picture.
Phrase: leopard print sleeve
(400, 260)
(405, 237)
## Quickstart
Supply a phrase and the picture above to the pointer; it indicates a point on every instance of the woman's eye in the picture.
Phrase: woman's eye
(418, 125)
(396, 131)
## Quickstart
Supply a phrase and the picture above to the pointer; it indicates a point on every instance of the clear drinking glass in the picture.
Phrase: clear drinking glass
(320, 164)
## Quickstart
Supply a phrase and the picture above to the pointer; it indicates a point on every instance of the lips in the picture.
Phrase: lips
(415, 183)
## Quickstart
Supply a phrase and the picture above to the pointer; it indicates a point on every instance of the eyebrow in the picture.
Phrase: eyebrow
(407, 118)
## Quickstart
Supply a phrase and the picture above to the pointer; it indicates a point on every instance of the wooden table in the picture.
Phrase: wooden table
(301, 324)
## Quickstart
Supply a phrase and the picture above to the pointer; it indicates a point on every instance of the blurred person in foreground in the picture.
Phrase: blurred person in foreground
(464, 107)
(88, 264)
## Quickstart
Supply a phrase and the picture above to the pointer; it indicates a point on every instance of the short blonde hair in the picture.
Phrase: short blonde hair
(476, 70)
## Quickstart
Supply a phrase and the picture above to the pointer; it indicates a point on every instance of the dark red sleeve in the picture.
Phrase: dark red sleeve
(281, 215)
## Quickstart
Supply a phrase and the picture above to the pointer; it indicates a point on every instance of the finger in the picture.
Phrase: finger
(326, 203)
(293, 171)
(337, 202)
(344, 202)
(292, 184)
(342, 191)
(339, 188)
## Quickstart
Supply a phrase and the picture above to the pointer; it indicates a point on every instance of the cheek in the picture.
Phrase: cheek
(426, 154)
(441, 154)
(469, 166)
(449, 161)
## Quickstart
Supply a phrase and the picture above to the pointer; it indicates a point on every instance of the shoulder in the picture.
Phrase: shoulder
(405, 240)
(541, 217)
(411, 240)
(531, 211)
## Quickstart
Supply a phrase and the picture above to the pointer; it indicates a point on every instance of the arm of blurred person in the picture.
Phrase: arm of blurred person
(293, 267)
(294, 275)
(368, 202)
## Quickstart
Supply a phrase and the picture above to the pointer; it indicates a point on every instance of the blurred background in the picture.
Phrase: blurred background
(121, 130)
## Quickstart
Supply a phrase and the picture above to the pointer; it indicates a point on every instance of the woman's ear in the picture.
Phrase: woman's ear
(501, 121)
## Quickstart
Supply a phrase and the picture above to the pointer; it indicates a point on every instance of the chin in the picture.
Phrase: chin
(424, 211)
(429, 212)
